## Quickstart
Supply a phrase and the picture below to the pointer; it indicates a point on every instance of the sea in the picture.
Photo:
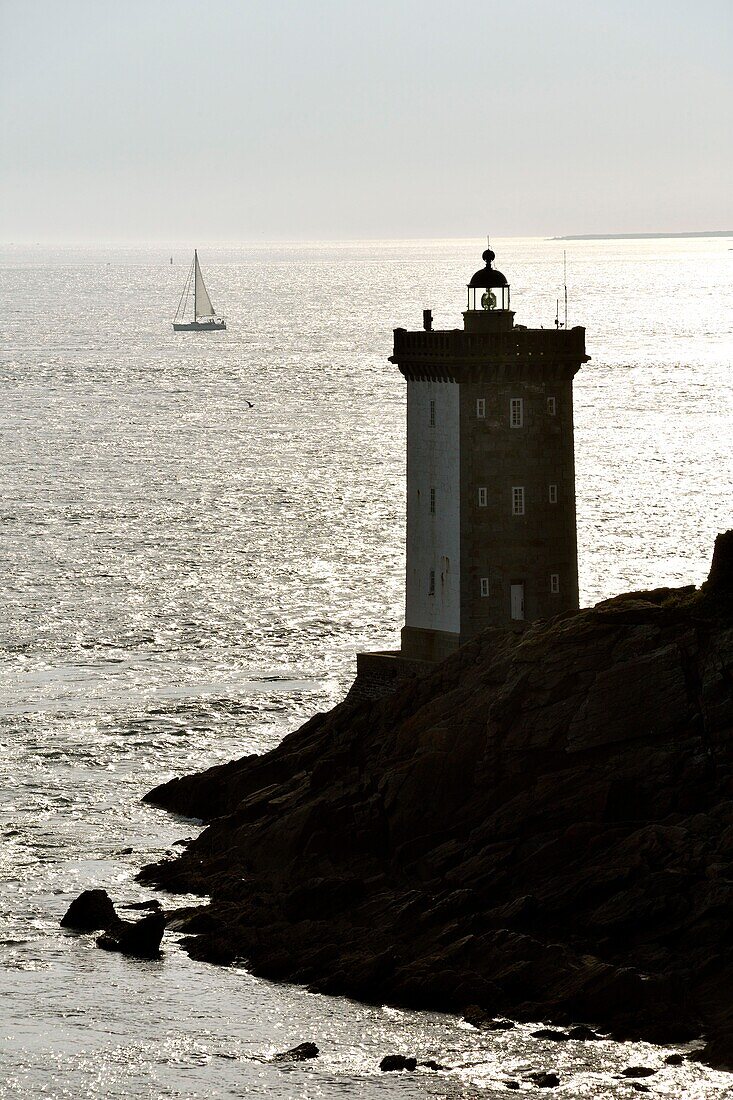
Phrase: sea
(198, 532)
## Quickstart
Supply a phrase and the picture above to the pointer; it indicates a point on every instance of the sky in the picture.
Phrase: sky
(245, 120)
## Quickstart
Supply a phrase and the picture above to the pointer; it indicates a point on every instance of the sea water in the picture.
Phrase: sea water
(186, 577)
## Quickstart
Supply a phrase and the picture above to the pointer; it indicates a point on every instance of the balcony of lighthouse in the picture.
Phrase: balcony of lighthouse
(451, 354)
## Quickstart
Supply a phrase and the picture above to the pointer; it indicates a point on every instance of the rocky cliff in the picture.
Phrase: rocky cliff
(542, 827)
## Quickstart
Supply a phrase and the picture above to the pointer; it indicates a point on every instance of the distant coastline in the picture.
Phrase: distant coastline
(639, 236)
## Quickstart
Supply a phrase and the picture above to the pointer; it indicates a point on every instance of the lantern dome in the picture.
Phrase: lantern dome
(488, 276)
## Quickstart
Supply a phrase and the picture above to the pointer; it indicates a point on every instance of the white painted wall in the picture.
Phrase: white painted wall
(433, 541)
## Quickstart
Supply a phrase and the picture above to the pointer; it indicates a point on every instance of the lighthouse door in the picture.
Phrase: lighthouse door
(517, 601)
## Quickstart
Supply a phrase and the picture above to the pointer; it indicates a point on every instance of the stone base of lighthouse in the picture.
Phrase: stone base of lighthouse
(428, 645)
(382, 672)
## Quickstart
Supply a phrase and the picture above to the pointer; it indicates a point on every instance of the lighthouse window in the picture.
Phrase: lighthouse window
(481, 408)
(551, 406)
(431, 583)
(516, 416)
(484, 586)
(432, 414)
(517, 500)
(483, 497)
(432, 499)
(554, 583)
(553, 494)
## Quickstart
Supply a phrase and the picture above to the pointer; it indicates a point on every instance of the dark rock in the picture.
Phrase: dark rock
(543, 1080)
(637, 1087)
(392, 1062)
(582, 1033)
(152, 904)
(637, 1071)
(141, 939)
(674, 1060)
(301, 1053)
(720, 577)
(550, 1033)
(92, 910)
(717, 1052)
(430, 1064)
(512, 1085)
(479, 1017)
(540, 825)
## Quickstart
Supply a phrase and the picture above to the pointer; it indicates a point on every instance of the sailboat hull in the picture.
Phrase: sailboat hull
(199, 326)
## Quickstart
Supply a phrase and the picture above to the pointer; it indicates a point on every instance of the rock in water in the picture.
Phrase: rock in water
(550, 1033)
(92, 910)
(582, 1033)
(540, 827)
(392, 1062)
(480, 1017)
(141, 939)
(301, 1053)
(543, 1080)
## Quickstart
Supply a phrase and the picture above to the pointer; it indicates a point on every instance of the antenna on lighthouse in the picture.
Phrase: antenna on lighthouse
(565, 283)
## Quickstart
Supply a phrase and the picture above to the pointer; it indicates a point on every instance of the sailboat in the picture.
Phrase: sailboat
(204, 314)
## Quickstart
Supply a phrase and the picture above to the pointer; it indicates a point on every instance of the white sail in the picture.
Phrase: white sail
(202, 301)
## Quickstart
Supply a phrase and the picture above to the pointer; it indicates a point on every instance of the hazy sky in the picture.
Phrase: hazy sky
(256, 119)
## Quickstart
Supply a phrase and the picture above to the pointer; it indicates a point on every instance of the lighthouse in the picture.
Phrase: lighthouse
(491, 528)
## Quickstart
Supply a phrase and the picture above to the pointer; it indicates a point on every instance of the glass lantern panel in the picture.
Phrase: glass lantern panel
(488, 298)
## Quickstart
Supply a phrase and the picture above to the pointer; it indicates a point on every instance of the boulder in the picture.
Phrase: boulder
(582, 1033)
(141, 939)
(301, 1053)
(543, 1080)
(392, 1062)
(92, 910)
(480, 1017)
(638, 1071)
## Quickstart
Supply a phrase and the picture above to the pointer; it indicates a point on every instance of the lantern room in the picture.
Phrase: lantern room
(488, 305)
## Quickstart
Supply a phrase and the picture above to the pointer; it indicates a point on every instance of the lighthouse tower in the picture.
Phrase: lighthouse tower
(491, 534)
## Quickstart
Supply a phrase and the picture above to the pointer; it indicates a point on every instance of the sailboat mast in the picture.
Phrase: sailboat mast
(195, 284)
